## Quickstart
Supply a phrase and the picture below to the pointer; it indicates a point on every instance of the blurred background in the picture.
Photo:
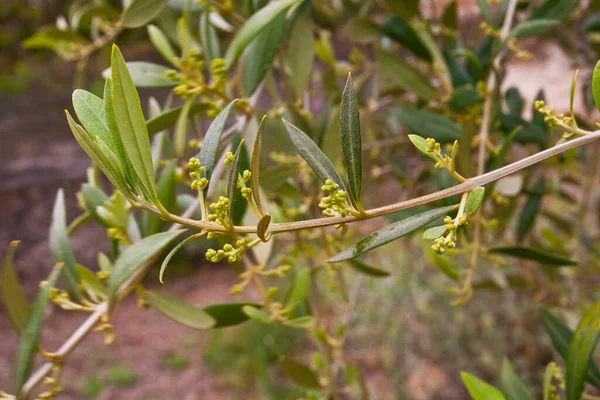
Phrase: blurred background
(407, 339)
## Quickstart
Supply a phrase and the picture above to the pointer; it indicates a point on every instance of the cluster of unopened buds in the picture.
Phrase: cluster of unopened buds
(63, 300)
(513, 45)
(189, 76)
(336, 203)
(551, 117)
(196, 171)
(220, 210)
(448, 241)
(443, 161)
(233, 254)
(246, 191)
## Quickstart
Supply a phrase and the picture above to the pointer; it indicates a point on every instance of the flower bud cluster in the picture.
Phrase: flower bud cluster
(336, 203)
(196, 171)
(233, 254)
(189, 75)
(220, 210)
(449, 241)
(513, 45)
(242, 180)
(229, 158)
(551, 117)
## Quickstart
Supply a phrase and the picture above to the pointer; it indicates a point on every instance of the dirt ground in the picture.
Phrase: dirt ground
(38, 155)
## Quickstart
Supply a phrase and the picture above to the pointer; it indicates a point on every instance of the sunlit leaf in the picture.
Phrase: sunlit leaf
(30, 336)
(60, 246)
(180, 311)
(147, 75)
(511, 384)
(140, 12)
(256, 151)
(161, 43)
(13, 294)
(135, 256)
(391, 232)
(581, 351)
(232, 182)
(480, 390)
(131, 122)
(253, 26)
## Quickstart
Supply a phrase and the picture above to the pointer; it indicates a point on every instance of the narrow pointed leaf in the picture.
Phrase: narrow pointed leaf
(253, 26)
(396, 72)
(147, 75)
(299, 373)
(534, 254)
(428, 124)
(256, 314)
(239, 206)
(434, 232)
(228, 314)
(131, 122)
(399, 30)
(60, 246)
(531, 210)
(261, 52)
(181, 128)
(596, 85)
(168, 118)
(13, 294)
(391, 232)
(421, 144)
(368, 269)
(210, 145)
(301, 53)
(209, 38)
(93, 197)
(140, 12)
(317, 160)
(300, 290)
(351, 140)
(161, 43)
(233, 178)
(167, 195)
(561, 336)
(486, 11)
(512, 386)
(92, 285)
(174, 251)
(581, 351)
(134, 256)
(180, 311)
(256, 168)
(474, 201)
(555, 9)
(480, 390)
(533, 28)
(31, 333)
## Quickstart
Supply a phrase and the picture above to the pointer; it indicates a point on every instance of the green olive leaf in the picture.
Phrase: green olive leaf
(13, 294)
(351, 140)
(180, 311)
(209, 38)
(181, 128)
(174, 251)
(93, 197)
(60, 246)
(253, 26)
(434, 232)
(421, 144)
(228, 314)
(581, 351)
(256, 150)
(161, 43)
(313, 155)
(261, 52)
(232, 182)
(168, 118)
(147, 75)
(299, 373)
(486, 11)
(474, 201)
(167, 195)
(368, 269)
(531, 210)
(256, 314)
(92, 285)
(301, 53)
(140, 12)
(300, 291)
(391, 232)
(512, 386)
(134, 256)
(555, 9)
(399, 30)
(210, 145)
(30, 336)
(596, 85)
(532, 28)
(480, 390)
(131, 123)
(445, 265)
(395, 71)
(561, 336)
(534, 254)
(428, 124)
(263, 226)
